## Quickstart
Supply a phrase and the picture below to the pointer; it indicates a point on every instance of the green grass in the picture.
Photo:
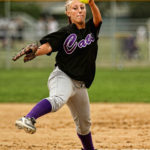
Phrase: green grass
(110, 85)
(23, 85)
(128, 85)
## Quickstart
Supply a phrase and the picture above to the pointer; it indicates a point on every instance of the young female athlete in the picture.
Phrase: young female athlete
(76, 46)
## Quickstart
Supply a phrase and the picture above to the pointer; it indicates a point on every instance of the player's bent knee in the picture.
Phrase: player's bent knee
(56, 102)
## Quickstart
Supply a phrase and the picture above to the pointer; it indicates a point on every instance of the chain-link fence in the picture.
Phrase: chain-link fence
(122, 42)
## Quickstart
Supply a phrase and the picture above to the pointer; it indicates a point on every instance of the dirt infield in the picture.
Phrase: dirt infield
(114, 126)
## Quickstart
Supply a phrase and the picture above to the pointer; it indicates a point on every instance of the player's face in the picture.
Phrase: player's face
(77, 12)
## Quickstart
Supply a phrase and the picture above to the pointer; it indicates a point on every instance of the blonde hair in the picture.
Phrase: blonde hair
(68, 2)
(67, 5)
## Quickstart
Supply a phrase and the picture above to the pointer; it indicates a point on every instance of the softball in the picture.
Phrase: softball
(84, 1)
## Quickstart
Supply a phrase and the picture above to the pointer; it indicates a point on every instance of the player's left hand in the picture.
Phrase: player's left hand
(29, 52)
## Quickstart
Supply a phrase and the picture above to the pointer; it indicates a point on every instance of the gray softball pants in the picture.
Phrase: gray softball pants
(64, 90)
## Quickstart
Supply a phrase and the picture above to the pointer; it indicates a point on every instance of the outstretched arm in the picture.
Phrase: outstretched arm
(43, 49)
(97, 18)
(32, 50)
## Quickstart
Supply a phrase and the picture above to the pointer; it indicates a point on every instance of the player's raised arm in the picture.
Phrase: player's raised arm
(97, 18)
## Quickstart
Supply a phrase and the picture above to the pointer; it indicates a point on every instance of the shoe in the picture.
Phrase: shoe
(27, 124)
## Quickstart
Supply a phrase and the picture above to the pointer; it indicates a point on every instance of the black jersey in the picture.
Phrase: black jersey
(77, 50)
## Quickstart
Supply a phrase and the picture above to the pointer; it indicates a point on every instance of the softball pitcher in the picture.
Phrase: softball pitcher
(76, 46)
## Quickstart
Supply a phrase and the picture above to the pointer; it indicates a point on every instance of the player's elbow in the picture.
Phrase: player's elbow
(97, 21)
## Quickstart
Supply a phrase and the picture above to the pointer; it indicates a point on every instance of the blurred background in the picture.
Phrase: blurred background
(123, 58)
(124, 37)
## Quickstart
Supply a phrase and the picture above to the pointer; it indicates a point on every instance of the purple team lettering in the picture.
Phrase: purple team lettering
(71, 43)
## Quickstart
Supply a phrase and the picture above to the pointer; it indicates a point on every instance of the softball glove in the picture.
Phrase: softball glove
(29, 52)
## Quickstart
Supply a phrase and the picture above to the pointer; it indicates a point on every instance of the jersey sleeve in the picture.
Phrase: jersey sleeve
(55, 40)
(95, 30)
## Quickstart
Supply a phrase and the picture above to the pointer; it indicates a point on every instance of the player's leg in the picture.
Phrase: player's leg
(61, 88)
(27, 122)
(80, 110)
